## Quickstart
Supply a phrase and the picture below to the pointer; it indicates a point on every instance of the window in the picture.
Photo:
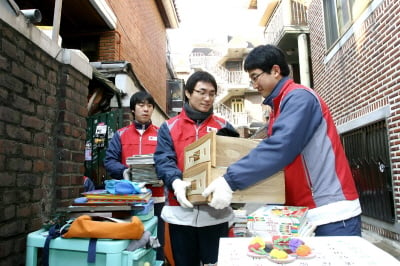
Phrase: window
(233, 65)
(237, 105)
(340, 15)
(367, 149)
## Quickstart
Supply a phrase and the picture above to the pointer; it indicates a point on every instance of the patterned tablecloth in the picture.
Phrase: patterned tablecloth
(332, 251)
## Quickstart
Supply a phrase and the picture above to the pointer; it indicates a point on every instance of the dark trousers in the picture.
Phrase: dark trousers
(160, 230)
(192, 245)
(349, 227)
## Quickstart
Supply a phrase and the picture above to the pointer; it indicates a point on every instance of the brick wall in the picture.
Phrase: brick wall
(109, 46)
(42, 135)
(363, 75)
(140, 38)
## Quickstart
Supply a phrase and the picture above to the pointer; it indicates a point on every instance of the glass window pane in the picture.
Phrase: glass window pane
(344, 16)
(331, 29)
(357, 7)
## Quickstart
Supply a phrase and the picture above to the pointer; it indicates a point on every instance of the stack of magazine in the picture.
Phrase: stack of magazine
(102, 197)
(272, 220)
(143, 170)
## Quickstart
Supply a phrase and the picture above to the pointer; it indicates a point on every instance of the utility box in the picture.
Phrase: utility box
(100, 129)
(175, 96)
(209, 158)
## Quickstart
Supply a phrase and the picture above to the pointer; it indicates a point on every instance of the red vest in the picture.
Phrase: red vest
(184, 131)
(299, 187)
(132, 143)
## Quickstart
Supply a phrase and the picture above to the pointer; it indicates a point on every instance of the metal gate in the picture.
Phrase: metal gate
(367, 150)
(100, 128)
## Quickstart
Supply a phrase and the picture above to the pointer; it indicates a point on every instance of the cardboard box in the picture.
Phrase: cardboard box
(209, 157)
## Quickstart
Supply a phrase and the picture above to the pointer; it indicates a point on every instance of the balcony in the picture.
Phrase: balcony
(226, 79)
(284, 21)
(237, 119)
(230, 84)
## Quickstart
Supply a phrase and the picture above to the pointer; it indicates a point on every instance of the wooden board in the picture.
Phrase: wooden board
(270, 190)
(200, 151)
(219, 150)
(199, 177)
(230, 149)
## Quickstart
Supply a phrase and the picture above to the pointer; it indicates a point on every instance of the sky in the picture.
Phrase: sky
(203, 20)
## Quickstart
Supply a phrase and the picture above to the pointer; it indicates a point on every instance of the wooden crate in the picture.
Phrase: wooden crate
(209, 157)
(199, 177)
(219, 150)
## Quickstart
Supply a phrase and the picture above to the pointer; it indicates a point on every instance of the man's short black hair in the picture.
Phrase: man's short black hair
(264, 57)
(141, 97)
(200, 76)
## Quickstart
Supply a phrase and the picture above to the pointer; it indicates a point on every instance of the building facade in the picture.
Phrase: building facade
(355, 68)
(347, 52)
(50, 69)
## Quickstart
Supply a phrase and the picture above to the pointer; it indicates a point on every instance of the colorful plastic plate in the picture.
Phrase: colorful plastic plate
(309, 256)
(289, 259)
(255, 255)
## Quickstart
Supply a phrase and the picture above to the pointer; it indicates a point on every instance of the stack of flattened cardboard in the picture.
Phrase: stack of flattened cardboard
(209, 157)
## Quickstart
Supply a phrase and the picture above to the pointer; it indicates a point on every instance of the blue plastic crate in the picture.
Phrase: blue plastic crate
(145, 212)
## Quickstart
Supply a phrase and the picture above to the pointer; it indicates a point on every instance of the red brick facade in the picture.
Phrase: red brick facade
(110, 46)
(140, 38)
(363, 74)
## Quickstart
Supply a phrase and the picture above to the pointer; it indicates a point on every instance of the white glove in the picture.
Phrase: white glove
(127, 174)
(221, 193)
(179, 187)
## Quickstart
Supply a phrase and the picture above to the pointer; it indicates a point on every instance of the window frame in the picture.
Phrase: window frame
(339, 18)
(237, 105)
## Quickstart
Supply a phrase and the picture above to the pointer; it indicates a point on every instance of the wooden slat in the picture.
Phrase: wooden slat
(199, 176)
(200, 151)
(230, 149)
(270, 190)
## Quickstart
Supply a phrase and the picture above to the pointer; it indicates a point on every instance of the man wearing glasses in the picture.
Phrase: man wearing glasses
(194, 230)
(302, 140)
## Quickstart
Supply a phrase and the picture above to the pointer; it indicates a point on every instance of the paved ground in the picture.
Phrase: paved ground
(390, 246)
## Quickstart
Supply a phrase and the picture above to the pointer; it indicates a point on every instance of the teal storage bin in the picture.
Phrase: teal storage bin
(145, 212)
(139, 257)
(73, 251)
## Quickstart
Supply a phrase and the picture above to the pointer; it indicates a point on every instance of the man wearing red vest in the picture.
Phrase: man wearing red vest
(140, 137)
(194, 230)
(302, 140)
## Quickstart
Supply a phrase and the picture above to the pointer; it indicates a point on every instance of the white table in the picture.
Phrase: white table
(332, 251)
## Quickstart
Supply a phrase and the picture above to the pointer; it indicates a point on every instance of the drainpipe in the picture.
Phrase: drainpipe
(303, 60)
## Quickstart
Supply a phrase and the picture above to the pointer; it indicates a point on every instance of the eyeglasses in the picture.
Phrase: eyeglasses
(204, 94)
(255, 78)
